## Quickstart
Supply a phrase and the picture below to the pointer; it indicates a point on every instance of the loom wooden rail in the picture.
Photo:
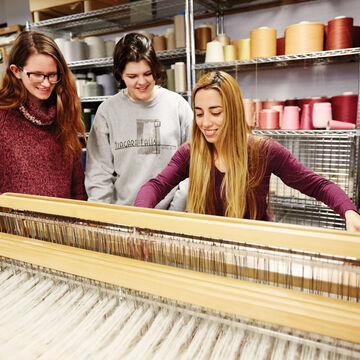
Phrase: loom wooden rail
(290, 308)
(327, 241)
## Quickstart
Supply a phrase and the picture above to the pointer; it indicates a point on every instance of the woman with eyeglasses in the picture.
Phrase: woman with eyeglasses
(40, 122)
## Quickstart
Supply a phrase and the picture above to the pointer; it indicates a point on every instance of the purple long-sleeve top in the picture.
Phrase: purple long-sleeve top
(280, 163)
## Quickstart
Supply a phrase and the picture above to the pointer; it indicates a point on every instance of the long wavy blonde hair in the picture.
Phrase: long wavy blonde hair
(244, 170)
(68, 106)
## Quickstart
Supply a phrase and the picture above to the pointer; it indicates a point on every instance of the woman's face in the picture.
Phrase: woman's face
(139, 80)
(38, 90)
(209, 113)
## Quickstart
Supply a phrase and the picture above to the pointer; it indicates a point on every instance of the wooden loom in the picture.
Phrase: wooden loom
(286, 308)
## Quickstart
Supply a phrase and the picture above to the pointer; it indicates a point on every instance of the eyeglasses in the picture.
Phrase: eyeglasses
(38, 77)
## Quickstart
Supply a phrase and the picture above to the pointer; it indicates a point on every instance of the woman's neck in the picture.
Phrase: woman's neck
(219, 162)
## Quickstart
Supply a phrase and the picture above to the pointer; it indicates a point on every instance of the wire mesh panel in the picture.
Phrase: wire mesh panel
(331, 154)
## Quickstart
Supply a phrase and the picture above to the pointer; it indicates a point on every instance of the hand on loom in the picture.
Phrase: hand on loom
(352, 220)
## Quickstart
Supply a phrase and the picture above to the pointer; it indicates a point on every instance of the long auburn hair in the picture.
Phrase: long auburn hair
(68, 106)
(244, 168)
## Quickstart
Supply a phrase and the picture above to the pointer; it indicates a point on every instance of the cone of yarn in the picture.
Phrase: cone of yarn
(262, 42)
(170, 39)
(170, 84)
(356, 36)
(180, 77)
(96, 47)
(223, 39)
(345, 107)
(268, 119)
(75, 50)
(179, 24)
(202, 37)
(291, 102)
(267, 104)
(249, 110)
(280, 109)
(242, 49)
(306, 118)
(214, 52)
(304, 37)
(339, 33)
(280, 46)
(229, 52)
(258, 108)
(291, 119)
(341, 125)
(322, 114)
(109, 47)
(159, 43)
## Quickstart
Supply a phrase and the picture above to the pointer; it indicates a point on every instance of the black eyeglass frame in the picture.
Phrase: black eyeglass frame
(29, 73)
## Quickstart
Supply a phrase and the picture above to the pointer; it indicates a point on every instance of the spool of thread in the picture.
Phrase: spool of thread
(291, 118)
(109, 47)
(108, 83)
(180, 77)
(92, 88)
(339, 33)
(304, 37)
(229, 52)
(80, 81)
(268, 119)
(212, 27)
(242, 49)
(170, 39)
(214, 52)
(262, 42)
(179, 23)
(202, 37)
(159, 43)
(96, 47)
(223, 39)
(321, 115)
(267, 104)
(291, 102)
(258, 108)
(345, 107)
(356, 36)
(60, 42)
(280, 109)
(86, 118)
(249, 110)
(75, 50)
(341, 125)
(280, 46)
(306, 118)
(170, 79)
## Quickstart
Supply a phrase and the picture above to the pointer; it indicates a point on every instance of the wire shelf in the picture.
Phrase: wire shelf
(117, 18)
(314, 58)
(331, 154)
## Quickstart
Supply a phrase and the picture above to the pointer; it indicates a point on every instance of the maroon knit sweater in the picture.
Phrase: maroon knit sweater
(32, 161)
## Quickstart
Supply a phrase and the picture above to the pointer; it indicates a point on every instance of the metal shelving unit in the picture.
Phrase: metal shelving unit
(314, 58)
(333, 154)
(117, 18)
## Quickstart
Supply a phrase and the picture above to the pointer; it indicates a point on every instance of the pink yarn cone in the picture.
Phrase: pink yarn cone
(306, 118)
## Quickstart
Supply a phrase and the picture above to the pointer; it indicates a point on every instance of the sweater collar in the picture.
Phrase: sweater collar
(37, 116)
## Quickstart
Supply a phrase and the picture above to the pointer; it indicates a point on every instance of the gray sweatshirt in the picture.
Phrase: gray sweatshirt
(131, 142)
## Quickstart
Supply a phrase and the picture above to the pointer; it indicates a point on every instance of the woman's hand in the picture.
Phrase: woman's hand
(352, 220)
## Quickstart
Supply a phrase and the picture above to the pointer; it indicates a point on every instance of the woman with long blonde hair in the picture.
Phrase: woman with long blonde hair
(40, 121)
(229, 168)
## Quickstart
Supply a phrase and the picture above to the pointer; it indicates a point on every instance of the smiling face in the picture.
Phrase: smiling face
(38, 91)
(209, 113)
(139, 80)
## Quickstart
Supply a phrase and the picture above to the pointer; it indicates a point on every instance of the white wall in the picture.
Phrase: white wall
(301, 81)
